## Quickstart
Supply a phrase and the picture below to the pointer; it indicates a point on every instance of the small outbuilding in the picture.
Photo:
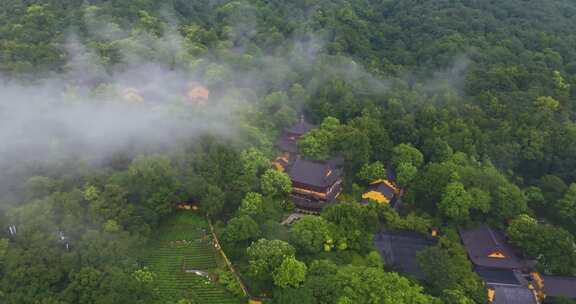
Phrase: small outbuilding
(383, 191)
(287, 142)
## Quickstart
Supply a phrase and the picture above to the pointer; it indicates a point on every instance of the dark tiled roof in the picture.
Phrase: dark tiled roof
(301, 128)
(314, 173)
(513, 295)
(498, 276)
(287, 145)
(482, 241)
(555, 286)
(399, 249)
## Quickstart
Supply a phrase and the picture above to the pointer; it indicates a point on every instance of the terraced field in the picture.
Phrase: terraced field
(183, 243)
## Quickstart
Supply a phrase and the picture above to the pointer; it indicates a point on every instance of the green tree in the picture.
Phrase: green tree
(252, 204)
(509, 201)
(405, 174)
(481, 200)
(552, 187)
(446, 267)
(311, 234)
(370, 123)
(85, 286)
(455, 296)
(275, 183)
(316, 145)
(407, 154)
(213, 200)
(289, 295)
(3, 249)
(551, 246)
(535, 198)
(291, 273)
(319, 144)
(427, 189)
(353, 145)
(239, 229)
(265, 256)
(369, 285)
(455, 203)
(438, 150)
(254, 162)
(40, 186)
(353, 225)
(566, 207)
(155, 182)
(371, 172)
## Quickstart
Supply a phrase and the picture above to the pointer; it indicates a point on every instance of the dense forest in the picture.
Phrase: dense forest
(472, 103)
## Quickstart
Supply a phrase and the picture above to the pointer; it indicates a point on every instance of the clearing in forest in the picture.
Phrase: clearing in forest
(180, 247)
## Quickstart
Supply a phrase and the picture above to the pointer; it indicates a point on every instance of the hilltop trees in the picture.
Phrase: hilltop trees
(552, 246)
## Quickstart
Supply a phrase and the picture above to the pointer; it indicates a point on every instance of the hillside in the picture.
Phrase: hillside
(390, 121)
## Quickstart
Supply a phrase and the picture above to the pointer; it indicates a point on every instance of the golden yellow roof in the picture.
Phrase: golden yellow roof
(376, 196)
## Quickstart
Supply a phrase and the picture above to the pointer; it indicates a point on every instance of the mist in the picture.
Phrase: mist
(92, 112)
(54, 120)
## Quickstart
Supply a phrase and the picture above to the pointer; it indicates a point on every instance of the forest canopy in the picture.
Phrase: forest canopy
(114, 112)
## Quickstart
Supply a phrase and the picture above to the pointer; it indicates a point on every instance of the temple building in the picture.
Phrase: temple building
(315, 184)
(506, 286)
(287, 143)
(383, 192)
(488, 248)
(504, 272)
(197, 94)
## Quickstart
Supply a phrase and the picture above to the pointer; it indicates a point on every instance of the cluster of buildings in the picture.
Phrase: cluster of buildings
(509, 278)
(316, 184)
